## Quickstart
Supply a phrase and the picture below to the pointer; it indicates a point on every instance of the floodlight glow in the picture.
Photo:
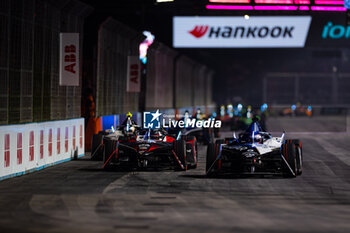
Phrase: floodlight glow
(145, 45)
(276, 8)
(228, 7)
(304, 8)
(302, 2)
(318, 2)
(230, 1)
(274, 1)
(328, 8)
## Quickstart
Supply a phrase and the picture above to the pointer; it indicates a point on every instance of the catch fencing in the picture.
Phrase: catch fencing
(307, 88)
(115, 43)
(29, 59)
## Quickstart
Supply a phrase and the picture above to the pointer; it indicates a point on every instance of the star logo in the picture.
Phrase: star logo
(156, 115)
(151, 120)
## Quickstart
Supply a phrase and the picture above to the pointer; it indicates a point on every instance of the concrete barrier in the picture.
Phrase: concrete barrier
(30, 147)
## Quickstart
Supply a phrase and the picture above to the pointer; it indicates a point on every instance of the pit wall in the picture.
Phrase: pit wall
(26, 148)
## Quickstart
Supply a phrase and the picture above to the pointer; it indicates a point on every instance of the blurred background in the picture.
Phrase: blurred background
(229, 82)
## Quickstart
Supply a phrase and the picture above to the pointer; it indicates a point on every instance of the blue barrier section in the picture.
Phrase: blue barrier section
(122, 117)
(108, 122)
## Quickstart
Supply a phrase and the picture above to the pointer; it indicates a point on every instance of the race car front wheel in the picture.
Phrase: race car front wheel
(212, 165)
(180, 152)
(290, 162)
(299, 155)
(211, 157)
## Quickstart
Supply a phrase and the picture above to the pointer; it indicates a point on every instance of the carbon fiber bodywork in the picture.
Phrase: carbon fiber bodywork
(148, 154)
(245, 159)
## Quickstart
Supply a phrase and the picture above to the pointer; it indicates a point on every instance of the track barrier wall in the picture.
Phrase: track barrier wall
(25, 148)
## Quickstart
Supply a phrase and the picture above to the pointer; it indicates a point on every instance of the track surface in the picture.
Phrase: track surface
(79, 196)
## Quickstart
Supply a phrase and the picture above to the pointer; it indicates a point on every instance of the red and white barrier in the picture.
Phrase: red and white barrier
(29, 147)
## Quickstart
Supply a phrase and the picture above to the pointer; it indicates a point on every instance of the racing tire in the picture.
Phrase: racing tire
(299, 156)
(211, 157)
(289, 154)
(97, 146)
(212, 166)
(109, 148)
(180, 151)
(196, 148)
(194, 155)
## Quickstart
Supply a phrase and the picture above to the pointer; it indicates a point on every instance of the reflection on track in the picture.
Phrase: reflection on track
(79, 196)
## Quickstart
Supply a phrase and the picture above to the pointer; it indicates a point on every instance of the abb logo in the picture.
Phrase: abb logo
(134, 73)
(31, 146)
(74, 137)
(199, 31)
(7, 151)
(66, 140)
(70, 58)
(58, 141)
(50, 142)
(19, 148)
(42, 144)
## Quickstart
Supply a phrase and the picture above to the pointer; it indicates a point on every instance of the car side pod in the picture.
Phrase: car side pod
(291, 157)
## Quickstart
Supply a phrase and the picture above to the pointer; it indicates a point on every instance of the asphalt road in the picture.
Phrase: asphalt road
(79, 196)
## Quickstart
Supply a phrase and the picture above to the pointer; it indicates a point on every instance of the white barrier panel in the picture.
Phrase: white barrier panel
(29, 147)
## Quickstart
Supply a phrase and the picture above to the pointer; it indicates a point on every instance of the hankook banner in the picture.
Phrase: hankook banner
(69, 59)
(238, 32)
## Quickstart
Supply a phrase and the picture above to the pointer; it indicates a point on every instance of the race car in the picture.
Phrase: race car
(255, 152)
(133, 147)
(97, 139)
(152, 148)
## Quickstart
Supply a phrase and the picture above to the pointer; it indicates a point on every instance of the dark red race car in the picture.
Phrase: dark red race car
(142, 149)
(133, 147)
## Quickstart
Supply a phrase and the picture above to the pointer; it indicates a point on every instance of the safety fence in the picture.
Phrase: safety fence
(307, 88)
(175, 80)
(172, 81)
(29, 59)
(30, 147)
(115, 43)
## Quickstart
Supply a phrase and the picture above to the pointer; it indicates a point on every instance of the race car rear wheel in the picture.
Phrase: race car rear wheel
(109, 150)
(289, 153)
(211, 157)
(180, 151)
(192, 159)
(212, 165)
(97, 146)
(299, 156)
